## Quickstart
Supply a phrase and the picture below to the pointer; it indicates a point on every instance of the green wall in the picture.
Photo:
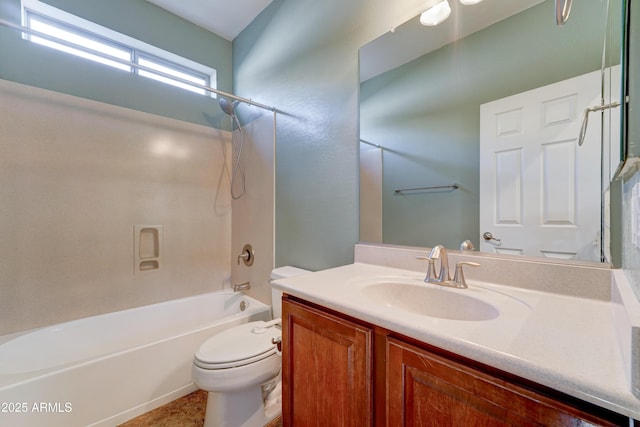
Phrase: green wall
(426, 113)
(24, 62)
(302, 57)
(299, 55)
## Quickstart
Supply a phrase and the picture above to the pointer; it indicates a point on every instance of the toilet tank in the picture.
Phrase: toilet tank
(276, 294)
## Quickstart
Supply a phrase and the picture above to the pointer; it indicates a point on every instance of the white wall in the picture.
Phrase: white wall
(76, 176)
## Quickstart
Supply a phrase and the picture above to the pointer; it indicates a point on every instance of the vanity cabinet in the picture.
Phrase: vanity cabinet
(326, 369)
(425, 389)
(339, 371)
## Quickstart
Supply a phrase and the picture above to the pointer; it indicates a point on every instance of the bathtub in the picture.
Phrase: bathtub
(106, 369)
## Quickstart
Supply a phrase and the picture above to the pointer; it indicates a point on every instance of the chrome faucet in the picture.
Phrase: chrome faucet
(437, 252)
(444, 277)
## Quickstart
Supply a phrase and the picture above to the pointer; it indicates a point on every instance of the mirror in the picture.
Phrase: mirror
(420, 96)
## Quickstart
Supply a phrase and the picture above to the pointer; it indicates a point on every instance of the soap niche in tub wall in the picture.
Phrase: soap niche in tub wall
(148, 248)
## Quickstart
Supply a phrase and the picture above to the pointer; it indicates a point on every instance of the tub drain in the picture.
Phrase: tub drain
(243, 305)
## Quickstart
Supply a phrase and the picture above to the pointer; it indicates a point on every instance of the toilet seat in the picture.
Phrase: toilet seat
(237, 346)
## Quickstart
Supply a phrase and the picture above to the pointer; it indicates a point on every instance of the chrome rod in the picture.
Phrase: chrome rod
(133, 65)
(372, 144)
(437, 187)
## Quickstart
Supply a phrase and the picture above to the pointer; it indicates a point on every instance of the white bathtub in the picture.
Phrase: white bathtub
(106, 369)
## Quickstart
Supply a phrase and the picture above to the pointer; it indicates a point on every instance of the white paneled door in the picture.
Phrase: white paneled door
(540, 191)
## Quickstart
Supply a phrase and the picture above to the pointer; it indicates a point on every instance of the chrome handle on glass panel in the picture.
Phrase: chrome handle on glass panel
(488, 237)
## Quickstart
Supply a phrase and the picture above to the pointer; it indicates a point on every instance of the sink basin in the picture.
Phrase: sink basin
(429, 300)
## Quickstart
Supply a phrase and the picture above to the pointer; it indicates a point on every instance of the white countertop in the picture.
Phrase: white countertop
(563, 342)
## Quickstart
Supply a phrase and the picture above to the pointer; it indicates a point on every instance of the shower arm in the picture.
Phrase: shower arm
(209, 89)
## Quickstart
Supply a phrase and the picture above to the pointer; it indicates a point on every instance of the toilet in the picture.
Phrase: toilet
(240, 369)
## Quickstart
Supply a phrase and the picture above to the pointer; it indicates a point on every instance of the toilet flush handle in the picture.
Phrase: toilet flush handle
(261, 329)
(278, 343)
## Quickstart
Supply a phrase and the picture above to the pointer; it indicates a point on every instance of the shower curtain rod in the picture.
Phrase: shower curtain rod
(372, 144)
(134, 65)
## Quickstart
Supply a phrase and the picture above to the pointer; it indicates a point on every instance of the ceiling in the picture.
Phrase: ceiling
(403, 44)
(223, 17)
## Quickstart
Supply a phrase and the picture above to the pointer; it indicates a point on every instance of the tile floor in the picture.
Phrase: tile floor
(188, 411)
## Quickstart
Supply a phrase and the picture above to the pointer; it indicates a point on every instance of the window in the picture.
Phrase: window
(171, 69)
(77, 38)
(71, 34)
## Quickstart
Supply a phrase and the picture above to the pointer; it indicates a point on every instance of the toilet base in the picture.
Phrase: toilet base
(243, 408)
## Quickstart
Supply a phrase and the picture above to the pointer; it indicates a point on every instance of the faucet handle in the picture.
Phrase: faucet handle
(431, 269)
(247, 255)
(472, 264)
(458, 278)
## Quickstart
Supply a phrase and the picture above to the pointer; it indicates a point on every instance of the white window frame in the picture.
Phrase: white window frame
(139, 49)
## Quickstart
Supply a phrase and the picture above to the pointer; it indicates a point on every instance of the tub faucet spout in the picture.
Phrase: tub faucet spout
(245, 286)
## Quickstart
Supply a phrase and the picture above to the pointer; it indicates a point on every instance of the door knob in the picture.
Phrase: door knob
(488, 237)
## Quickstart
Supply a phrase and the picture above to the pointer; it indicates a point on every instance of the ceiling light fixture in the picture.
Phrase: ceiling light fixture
(470, 1)
(436, 14)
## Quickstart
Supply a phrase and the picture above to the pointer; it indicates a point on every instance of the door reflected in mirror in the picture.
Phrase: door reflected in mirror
(420, 127)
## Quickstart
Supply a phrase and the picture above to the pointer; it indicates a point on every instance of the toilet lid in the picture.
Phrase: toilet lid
(237, 346)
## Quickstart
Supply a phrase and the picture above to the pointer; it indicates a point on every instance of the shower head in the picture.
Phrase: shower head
(228, 107)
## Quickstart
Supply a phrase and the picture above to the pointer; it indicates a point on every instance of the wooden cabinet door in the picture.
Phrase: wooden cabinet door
(424, 389)
(326, 369)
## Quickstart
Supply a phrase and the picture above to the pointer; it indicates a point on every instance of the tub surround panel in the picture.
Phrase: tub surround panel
(371, 196)
(76, 176)
(586, 280)
(253, 213)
